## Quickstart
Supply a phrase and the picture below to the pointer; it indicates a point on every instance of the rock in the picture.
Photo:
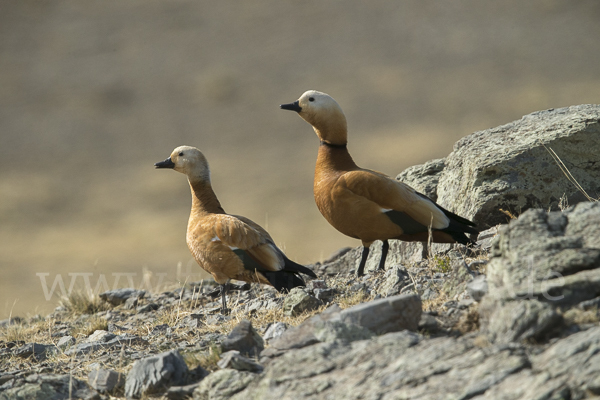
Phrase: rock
(303, 335)
(35, 350)
(244, 339)
(324, 295)
(520, 320)
(117, 342)
(541, 262)
(274, 331)
(155, 374)
(120, 296)
(233, 359)
(508, 167)
(395, 279)
(316, 284)
(65, 342)
(386, 315)
(223, 384)
(181, 392)
(10, 321)
(424, 178)
(299, 301)
(50, 386)
(101, 336)
(334, 330)
(477, 288)
(428, 323)
(105, 380)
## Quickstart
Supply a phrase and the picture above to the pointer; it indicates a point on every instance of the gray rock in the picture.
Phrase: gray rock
(181, 392)
(105, 380)
(35, 350)
(275, 330)
(385, 315)
(65, 342)
(117, 342)
(424, 178)
(223, 384)
(155, 374)
(520, 320)
(101, 336)
(303, 335)
(244, 339)
(477, 288)
(541, 261)
(395, 279)
(299, 301)
(324, 295)
(508, 167)
(233, 359)
(10, 321)
(428, 323)
(50, 386)
(334, 330)
(120, 296)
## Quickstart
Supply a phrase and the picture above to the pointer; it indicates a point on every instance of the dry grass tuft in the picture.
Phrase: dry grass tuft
(79, 303)
(89, 326)
(577, 316)
(207, 359)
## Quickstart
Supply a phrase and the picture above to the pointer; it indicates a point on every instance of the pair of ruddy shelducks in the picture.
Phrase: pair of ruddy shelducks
(360, 203)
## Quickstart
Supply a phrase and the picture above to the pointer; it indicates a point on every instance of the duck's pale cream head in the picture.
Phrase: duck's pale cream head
(324, 114)
(188, 160)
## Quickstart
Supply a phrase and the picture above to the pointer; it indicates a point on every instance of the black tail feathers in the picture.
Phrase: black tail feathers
(287, 279)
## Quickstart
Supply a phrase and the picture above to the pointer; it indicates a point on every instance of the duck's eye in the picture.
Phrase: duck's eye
(311, 99)
(181, 154)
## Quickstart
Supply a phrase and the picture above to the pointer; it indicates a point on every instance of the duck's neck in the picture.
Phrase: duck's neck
(204, 199)
(334, 157)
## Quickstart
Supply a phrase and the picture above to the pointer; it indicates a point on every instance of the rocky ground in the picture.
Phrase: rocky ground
(515, 317)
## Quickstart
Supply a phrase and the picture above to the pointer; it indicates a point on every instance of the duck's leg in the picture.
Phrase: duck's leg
(384, 250)
(363, 260)
(224, 288)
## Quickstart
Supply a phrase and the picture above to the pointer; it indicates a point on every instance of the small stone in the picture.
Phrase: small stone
(35, 350)
(477, 288)
(233, 359)
(244, 339)
(275, 330)
(324, 295)
(147, 308)
(299, 301)
(131, 303)
(389, 314)
(65, 342)
(428, 323)
(316, 284)
(101, 336)
(105, 380)
(181, 392)
(153, 374)
(120, 296)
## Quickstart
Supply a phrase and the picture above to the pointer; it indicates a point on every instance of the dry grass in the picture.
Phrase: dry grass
(89, 326)
(79, 303)
(207, 359)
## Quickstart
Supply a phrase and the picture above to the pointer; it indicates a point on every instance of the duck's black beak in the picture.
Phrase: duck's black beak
(295, 106)
(165, 164)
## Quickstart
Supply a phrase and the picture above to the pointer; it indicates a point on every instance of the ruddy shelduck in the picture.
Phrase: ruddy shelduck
(229, 246)
(365, 204)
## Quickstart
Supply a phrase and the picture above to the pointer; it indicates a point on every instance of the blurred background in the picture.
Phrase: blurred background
(93, 93)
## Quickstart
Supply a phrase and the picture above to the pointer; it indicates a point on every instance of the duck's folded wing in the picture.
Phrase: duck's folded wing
(242, 234)
(390, 194)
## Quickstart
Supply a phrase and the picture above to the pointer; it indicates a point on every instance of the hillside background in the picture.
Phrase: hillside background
(93, 93)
